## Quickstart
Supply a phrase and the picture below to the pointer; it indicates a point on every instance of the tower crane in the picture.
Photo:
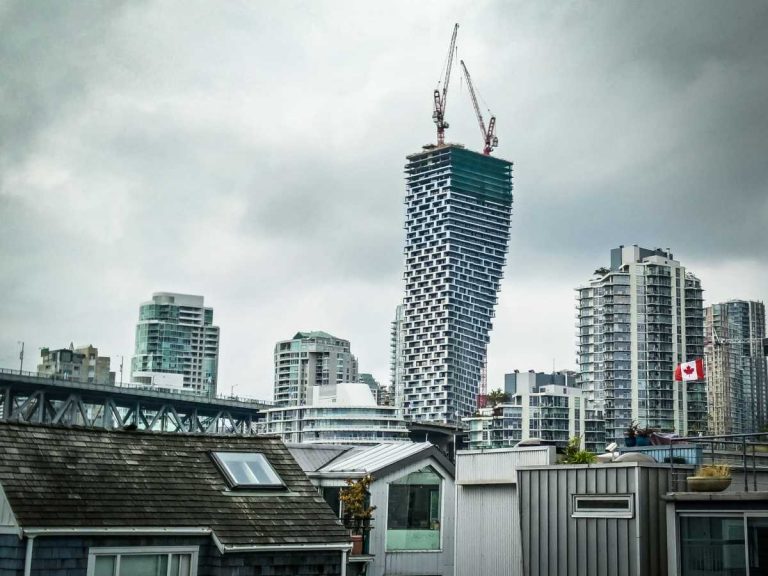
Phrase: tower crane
(440, 97)
(489, 135)
(717, 340)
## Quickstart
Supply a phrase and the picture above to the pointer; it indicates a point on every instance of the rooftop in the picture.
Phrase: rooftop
(55, 477)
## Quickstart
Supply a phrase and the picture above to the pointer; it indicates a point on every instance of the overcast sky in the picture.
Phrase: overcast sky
(253, 152)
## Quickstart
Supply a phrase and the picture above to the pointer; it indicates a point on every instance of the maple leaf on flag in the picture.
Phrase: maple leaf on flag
(688, 370)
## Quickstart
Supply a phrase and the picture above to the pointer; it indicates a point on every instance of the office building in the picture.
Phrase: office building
(177, 345)
(637, 320)
(549, 407)
(736, 368)
(311, 359)
(344, 413)
(78, 364)
(458, 208)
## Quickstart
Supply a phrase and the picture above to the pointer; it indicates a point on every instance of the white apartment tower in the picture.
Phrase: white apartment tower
(311, 359)
(636, 321)
(458, 208)
(177, 345)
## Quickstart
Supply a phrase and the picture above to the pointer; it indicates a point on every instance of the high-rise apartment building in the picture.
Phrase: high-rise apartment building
(311, 359)
(736, 368)
(397, 341)
(458, 208)
(636, 321)
(177, 345)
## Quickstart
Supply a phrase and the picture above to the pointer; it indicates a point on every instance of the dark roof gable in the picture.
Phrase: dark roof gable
(64, 477)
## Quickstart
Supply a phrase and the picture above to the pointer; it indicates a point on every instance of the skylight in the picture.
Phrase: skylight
(247, 470)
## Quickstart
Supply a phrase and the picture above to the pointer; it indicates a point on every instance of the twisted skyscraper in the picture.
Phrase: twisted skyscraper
(458, 209)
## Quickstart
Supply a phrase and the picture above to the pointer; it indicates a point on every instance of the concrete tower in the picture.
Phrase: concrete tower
(458, 208)
(311, 359)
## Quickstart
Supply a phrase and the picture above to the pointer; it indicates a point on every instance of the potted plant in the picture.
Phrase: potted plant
(357, 511)
(573, 454)
(710, 478)
(630, 434)
(643, 436)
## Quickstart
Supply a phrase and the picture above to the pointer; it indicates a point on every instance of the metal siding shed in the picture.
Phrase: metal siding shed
(488, 528)
(554, 542)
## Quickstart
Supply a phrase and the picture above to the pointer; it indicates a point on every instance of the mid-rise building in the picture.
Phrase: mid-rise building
(458, 209)
(545, 406)
(637, 320)
(736, 367)
(343, 413)
(311, 359)
(177, 345)
(78, 364)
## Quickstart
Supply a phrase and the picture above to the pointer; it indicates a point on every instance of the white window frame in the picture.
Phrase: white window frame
(629, 512)
(193, 551)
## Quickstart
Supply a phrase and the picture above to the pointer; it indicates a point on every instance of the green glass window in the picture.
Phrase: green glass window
(414, 511)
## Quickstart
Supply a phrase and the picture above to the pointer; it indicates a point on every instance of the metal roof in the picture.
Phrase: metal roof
(312, 457)
(368, 460)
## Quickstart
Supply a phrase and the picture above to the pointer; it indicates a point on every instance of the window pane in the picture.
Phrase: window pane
(757, 534)
(248, 469)
(710, 546)
(413, 515)
(104, 566)
(144, 565)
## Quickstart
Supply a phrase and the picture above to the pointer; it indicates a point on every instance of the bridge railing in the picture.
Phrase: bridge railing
(181, 394)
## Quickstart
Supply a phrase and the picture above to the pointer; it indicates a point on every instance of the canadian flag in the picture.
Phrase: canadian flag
(690, 371)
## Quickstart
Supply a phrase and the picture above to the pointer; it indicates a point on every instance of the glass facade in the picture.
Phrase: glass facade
(458, 208)
(736, 367)
(175, 335)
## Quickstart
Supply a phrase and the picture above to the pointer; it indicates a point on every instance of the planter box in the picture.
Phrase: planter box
(707, 483)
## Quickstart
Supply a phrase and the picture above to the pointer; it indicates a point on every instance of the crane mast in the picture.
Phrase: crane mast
(440, 97)
(489, 136)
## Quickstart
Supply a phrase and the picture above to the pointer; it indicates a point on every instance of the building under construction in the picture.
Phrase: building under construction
(736, 367)
(458, 210)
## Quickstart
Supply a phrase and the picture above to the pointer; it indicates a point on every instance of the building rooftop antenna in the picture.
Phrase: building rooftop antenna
(489, 135)
(440, 97)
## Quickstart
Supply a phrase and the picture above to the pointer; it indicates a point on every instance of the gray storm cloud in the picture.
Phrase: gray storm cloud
(253, 153)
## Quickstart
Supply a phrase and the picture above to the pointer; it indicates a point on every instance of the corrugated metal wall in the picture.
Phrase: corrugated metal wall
(488, 519)
(555, 543)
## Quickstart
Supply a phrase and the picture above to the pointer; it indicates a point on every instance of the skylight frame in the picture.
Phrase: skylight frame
(222, 460)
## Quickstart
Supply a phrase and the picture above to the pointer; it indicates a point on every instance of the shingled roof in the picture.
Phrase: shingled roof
(78, 478)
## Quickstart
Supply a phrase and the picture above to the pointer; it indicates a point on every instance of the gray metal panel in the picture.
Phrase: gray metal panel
(494, 466)
(489, 532)
(312, 457)
(376, 457)
(555, 543)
